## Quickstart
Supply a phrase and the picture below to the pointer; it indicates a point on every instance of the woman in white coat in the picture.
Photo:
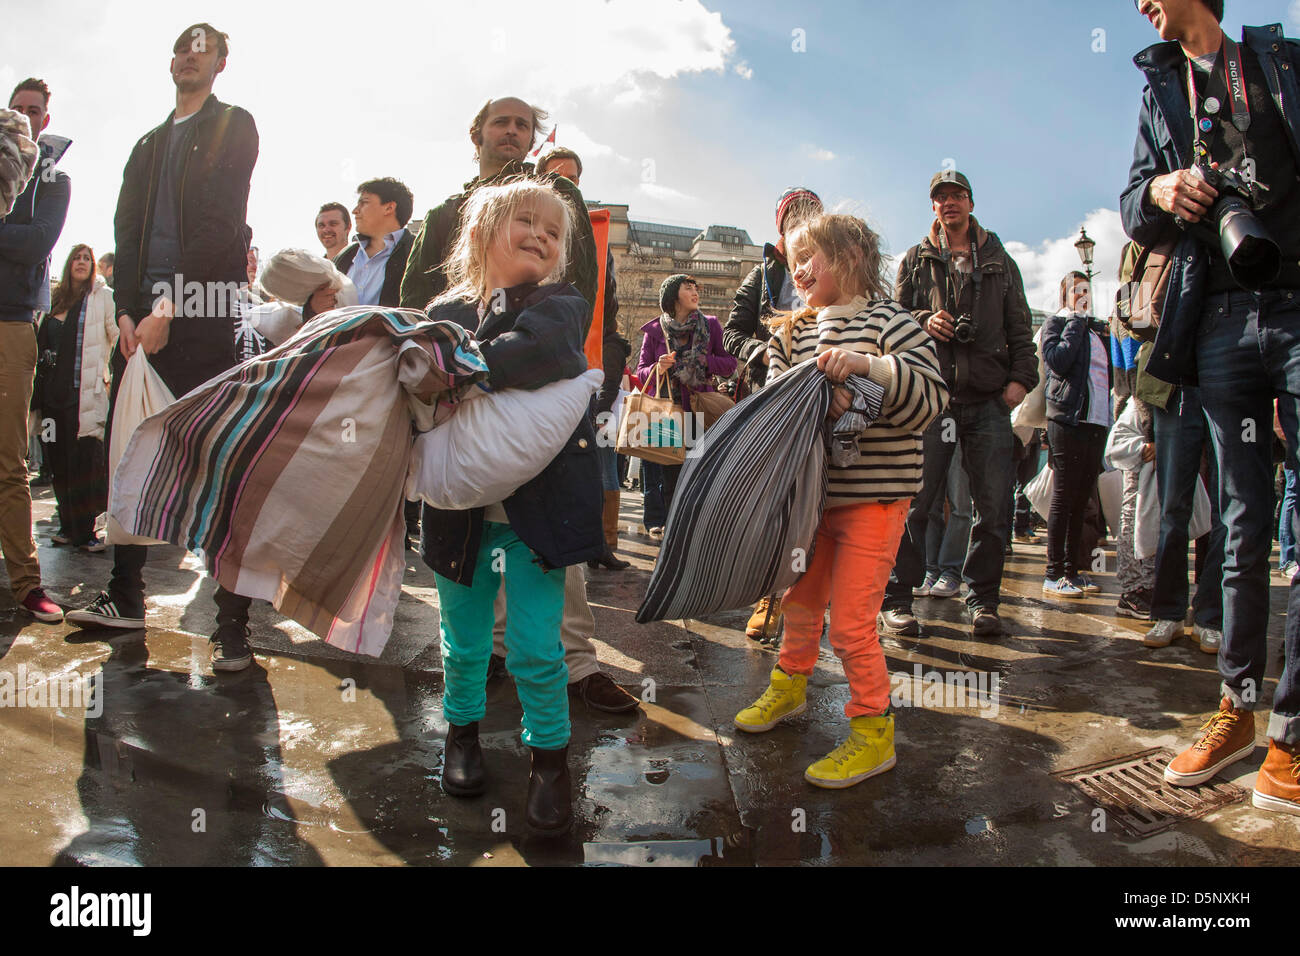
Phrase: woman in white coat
(75, 342)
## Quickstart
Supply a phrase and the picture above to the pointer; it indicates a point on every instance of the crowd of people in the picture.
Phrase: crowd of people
(957, 396)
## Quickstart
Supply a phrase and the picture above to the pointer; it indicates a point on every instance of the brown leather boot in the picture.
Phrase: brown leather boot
(1228, 736)
(610, 519)
(1278, 785)
(610, 522)
(765, 623)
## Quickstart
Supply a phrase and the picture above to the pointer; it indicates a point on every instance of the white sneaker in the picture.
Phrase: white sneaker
(1211, 639)
(947, 586)
(1163, 634)
(1289, 569)
(924, 589)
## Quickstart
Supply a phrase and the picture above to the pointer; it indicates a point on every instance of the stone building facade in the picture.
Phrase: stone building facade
(646, 253)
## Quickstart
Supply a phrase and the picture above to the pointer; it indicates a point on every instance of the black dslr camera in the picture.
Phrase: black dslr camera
(963, 328)
(1254, 259)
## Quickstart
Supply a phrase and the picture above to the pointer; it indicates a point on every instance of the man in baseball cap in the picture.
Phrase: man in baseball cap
(965, 290)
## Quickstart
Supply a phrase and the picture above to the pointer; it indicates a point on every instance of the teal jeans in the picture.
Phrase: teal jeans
(534, 654)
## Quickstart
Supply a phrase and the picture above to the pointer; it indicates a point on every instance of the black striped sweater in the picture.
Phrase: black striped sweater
(904, 362)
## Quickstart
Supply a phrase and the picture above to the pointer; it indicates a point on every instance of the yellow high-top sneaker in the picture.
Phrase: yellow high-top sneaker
(784, 697)
(869, 750)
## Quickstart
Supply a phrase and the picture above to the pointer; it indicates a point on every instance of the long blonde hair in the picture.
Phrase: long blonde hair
(484, 219)
(852, 252)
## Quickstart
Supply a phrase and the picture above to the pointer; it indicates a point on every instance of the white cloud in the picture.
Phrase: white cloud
(666, 194)
(1043, 266)
(819, 154)
(572, 136)
(745, 72)
(593, 45)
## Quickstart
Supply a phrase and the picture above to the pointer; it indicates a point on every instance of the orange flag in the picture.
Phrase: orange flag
(600, 229)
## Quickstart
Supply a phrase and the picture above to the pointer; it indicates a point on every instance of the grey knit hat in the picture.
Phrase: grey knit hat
(668, 291)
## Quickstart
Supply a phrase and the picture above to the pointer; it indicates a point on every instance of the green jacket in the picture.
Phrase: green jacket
(425, 280)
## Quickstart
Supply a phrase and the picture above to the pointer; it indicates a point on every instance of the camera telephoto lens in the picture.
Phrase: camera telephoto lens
(1253, 257)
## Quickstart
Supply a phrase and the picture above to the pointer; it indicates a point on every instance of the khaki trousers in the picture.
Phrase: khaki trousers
(576, 628)
(17, 370)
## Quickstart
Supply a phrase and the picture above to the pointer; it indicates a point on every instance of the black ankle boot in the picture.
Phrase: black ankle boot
(609, 560)
(462, 762)
(550, 805)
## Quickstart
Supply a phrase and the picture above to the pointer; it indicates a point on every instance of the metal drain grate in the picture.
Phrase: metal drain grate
(1133, 792)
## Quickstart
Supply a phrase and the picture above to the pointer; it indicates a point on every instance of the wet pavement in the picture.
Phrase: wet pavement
(315, 756)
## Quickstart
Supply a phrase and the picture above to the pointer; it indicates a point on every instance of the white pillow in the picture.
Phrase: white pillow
(496, 442)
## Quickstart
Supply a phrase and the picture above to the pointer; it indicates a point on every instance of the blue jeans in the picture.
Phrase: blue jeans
(1248, 354)
(1181, 434)
(608, 458)
(946, 544)
(656, 509)
(1286, 521)
(534, 654)
(983, 429)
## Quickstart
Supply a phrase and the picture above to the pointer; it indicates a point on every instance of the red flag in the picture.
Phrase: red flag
(542, 145)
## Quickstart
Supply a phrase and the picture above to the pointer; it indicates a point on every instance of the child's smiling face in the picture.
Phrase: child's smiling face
(533, 239)
(816, 282)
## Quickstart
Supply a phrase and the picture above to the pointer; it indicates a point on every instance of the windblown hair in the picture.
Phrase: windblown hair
(66, 292)
(540, 116)
(852, 251)
(485, 219)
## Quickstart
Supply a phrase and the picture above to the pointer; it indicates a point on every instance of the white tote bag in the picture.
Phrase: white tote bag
(141, 394)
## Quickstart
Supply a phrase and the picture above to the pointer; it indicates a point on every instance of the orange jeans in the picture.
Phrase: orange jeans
(855, 551)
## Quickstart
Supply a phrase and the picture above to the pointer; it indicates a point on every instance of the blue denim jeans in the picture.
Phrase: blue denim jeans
(946, 543)
(1286, 522)
(652, 490)
(1181, 433)
(1248, 354)
(983, 430)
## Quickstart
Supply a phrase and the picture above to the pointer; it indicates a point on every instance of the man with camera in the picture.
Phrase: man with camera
(1215, 172)
(966, 291)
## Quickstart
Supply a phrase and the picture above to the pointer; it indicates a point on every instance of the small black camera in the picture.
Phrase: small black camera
(963, 328)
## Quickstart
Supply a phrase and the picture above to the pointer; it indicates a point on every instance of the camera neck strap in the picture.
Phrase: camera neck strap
(1230, 84)
(975, 276)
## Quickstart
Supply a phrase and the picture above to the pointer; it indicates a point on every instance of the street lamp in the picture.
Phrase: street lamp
(1084, 246)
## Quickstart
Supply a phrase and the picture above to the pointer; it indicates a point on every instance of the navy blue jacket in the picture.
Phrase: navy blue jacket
(538, 339)
(1164, 144)
(1067, 353)
(28, 234)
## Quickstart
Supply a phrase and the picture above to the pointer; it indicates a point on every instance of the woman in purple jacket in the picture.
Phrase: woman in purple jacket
(683, 350)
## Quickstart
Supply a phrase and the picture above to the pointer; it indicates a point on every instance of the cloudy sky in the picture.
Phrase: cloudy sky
(690, 111)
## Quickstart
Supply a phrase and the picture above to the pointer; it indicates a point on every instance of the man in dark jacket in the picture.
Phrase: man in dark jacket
(768, 288)
(182, 254)
(377, 262)
(27, 236)
(1208, 101)
(562, 162)
(503, 132)
(966, 291)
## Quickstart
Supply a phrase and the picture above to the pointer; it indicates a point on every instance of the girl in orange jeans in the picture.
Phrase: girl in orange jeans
(851, 328)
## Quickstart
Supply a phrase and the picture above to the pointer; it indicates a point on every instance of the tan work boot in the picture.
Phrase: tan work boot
(1228, 736)
(762, 626)
(1278, 785)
